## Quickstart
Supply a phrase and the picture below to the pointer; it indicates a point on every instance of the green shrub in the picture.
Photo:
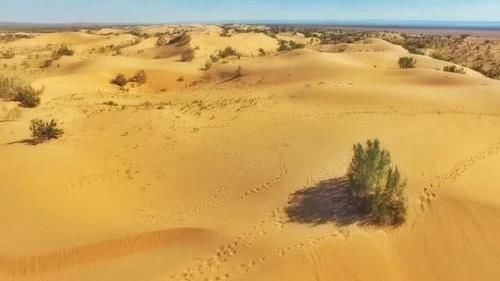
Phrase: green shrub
(27, 96)
(119, 80)
(187, 55)
(407, 62)
(454, 69)
(42, 131)
(375, 187)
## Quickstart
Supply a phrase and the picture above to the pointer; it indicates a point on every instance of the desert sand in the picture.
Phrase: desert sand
(191, 179)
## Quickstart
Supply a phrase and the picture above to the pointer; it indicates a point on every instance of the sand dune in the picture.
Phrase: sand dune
(191, 175)
(106, 250)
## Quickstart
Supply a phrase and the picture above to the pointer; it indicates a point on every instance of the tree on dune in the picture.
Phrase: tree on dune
(375, 187)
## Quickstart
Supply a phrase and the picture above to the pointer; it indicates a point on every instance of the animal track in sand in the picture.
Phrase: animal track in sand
(341, 114)
(309, 242)
(216, 197)
(208, 269)
(263, 187)
(429, 191)
(246, 267)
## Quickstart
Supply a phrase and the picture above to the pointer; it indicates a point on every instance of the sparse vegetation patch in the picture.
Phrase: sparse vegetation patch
(62, 51)
(17, 90)
(407, 62)
(27, 96)
(454, 69)
(228, 52)
(119, 80)
(285, 45)
(139, 77)
(42, 131)
(57, 54)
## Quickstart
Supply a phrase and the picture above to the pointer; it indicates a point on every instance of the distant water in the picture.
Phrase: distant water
(400, 24)
(413, 24)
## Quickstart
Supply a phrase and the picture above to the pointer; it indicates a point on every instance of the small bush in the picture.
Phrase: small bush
(187, 55)
(119, 80)
(56, 55)
(17, 90)
(407, 62)
(64, 51)
(262, 52)
(454, 69)
(42, 131)
(139, 77)
(285, 45)
(376, 187)
(228, 52)
(27, 96)
(9, 86)
(414, 50)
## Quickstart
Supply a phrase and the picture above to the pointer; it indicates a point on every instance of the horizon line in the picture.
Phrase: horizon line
(374, 23)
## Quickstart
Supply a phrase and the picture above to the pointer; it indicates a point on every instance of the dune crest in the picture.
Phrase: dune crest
(102, 251)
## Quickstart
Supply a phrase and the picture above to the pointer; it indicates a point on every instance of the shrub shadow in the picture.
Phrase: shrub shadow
(24, 141)
(326, 202)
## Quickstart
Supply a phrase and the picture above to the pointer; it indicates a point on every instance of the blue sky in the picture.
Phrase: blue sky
(58, 11)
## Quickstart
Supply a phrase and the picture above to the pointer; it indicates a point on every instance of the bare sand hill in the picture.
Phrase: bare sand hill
(196, 175)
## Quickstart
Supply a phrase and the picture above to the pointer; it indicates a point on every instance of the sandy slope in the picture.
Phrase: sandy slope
(190, 180)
